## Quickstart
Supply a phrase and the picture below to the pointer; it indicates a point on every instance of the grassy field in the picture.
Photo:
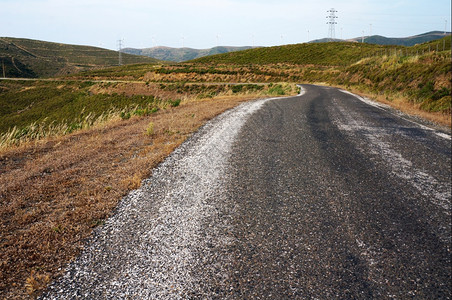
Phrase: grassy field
(50, 108)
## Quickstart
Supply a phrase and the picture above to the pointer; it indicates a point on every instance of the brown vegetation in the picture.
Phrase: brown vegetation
(53, 193)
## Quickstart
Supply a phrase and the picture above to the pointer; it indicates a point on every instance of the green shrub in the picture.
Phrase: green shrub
(276, 90)
(236, 88)
(174, 103)
(125, 115)
(440, 105)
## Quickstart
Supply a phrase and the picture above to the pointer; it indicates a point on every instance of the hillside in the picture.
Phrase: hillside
(382, 40)
(337, 53)
(325, 54)
(181, 54)
(418, 76)
(407, 41)
(32, 58)
(187, 54)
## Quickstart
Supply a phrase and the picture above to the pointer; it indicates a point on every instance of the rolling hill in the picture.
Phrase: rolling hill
(325, 54)
(381, 40)
(187, 54)
(32, 58)
(181, 54)
(418, 73)
(407, 41)
(300, 54)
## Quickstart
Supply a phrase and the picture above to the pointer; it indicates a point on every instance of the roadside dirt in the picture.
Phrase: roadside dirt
(54, 193)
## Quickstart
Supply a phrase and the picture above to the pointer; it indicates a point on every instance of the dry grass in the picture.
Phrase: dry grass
(53, 193)
(403, 104)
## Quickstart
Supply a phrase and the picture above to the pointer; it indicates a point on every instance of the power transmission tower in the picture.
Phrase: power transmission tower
(120, 44)
(331, 22)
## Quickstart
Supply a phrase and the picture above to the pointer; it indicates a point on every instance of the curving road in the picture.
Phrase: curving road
(321, 196)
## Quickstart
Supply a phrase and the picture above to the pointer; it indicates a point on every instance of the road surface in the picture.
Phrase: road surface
(320, 196)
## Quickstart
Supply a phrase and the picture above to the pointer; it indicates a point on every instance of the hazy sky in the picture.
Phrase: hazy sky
(207, 23)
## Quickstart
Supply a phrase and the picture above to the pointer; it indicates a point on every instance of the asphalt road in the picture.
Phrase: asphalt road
(319, 196)
(339, 199)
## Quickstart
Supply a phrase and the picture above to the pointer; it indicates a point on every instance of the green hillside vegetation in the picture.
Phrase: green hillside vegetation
(49, 108)
(31, 58)
(325, 54)
(421, 74)
(181, 54)
(48, 103)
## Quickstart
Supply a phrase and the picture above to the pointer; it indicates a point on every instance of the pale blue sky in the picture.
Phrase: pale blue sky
(207, 23)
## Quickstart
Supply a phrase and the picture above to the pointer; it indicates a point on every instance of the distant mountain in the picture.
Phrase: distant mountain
(407, 41)
(181, 54)
(381, 40)
(32, 58)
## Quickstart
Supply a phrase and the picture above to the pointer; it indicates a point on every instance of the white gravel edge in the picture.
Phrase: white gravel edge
(150, 246)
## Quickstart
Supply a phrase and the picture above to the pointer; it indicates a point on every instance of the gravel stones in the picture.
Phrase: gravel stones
(163, 233)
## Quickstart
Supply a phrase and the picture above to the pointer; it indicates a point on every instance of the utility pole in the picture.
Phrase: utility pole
(445, 27)
(331, 22)
(362, 39)
(120, 44)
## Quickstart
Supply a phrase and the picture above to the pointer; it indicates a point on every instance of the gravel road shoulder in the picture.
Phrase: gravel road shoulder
(161, 233)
